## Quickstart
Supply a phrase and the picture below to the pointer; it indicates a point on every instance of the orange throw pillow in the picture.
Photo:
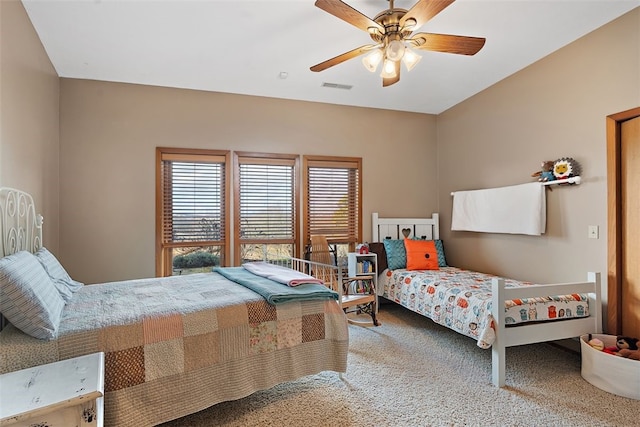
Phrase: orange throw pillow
(421, 254)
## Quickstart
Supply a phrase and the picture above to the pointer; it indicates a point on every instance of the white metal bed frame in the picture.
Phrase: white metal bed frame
(514, 335)
(20, 227)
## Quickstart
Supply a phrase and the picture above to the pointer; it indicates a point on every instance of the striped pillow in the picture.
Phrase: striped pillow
(28, 298)
(59, 276)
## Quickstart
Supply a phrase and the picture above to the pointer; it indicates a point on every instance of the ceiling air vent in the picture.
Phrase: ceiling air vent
(337, 86)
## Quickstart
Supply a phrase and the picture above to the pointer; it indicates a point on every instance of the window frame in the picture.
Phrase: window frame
(276, 160)
(164, 260)
(332, 161)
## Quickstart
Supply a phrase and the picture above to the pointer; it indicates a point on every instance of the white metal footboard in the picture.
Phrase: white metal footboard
(329, 274)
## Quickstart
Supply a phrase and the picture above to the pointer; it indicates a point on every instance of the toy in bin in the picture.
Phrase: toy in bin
(616, 373)
(628, 347)
(625, 347)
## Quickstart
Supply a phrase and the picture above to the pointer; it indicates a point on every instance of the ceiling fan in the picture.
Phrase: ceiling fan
(392, 30)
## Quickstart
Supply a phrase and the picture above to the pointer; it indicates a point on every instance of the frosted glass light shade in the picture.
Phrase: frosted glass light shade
(388, 69)
(372, 60)
(395, 50)
(410, 59)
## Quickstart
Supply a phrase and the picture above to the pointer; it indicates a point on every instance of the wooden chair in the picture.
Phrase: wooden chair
(357, 294)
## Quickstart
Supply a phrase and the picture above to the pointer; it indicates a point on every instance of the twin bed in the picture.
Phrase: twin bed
(465, 301)
(173, 345)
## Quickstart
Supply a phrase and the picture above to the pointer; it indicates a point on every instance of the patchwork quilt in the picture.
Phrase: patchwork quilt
(177, 345)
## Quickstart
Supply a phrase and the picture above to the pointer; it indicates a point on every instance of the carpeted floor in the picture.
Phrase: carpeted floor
(411, 372)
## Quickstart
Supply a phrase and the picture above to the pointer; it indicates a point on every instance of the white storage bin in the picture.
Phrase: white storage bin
(614, 374)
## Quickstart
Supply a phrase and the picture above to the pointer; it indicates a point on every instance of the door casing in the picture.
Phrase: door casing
(614, 213)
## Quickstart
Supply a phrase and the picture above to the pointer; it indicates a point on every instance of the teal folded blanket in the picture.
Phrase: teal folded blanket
(274, 292)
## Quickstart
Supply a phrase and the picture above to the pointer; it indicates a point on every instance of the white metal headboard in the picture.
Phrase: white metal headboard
(399, 228)
(20, 227)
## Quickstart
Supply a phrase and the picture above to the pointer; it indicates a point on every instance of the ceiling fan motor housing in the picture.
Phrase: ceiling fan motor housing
(390, 21)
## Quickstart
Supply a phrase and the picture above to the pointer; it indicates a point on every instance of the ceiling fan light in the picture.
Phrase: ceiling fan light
(374, 31)
(395, 50)
(409, 24)
(372, 60)
(388, 69)
(410, 59)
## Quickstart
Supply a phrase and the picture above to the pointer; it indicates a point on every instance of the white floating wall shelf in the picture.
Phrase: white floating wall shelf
(571, 180)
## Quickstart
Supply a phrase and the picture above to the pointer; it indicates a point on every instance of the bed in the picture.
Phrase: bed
(465, 301)
(173, 345)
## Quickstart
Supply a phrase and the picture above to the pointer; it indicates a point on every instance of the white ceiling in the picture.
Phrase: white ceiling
(242, 46)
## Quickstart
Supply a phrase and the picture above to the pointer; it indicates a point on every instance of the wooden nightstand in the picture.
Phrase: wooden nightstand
(61, 394)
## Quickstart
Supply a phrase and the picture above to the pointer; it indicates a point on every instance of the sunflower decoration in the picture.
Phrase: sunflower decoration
(566, 167)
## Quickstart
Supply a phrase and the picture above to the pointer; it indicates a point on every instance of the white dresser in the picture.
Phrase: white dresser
(60, 394)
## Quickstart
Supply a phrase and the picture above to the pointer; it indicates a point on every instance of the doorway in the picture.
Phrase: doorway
(623, 200)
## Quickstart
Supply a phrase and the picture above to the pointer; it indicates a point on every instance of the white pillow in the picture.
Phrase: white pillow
(28, 298)
(59, 276)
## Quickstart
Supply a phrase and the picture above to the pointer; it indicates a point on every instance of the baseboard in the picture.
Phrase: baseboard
(570, 344)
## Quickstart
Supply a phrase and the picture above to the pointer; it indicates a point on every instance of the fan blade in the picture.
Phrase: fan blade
(344, 57)
(389, 81)
(423, 11)
(345, 12)
(462, 45)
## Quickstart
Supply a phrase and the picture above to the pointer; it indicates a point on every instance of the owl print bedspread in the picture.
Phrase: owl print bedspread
(461, 300)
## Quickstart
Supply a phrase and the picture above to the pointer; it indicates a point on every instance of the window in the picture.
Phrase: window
(191, 207)
(333, 200)
(266, 214)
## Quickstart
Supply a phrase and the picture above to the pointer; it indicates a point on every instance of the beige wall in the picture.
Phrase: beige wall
(552, 109)
(29, 140)
(109, 132)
